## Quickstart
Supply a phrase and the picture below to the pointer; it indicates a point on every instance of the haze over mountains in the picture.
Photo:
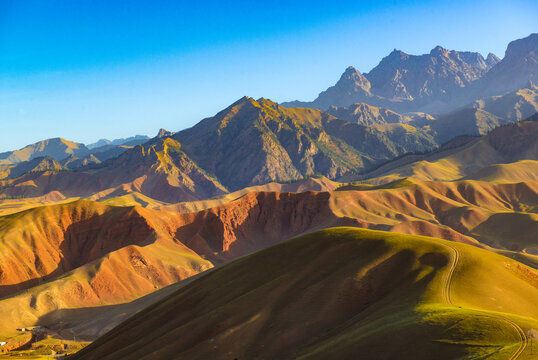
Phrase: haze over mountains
(438, 82)
(409, 193)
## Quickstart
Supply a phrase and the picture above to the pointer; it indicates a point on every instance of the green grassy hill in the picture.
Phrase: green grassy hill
(341, 293)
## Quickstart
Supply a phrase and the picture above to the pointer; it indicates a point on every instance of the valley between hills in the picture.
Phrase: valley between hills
(393, 217)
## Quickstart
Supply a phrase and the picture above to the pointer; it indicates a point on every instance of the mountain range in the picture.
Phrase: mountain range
(439, 82)
(400, 207)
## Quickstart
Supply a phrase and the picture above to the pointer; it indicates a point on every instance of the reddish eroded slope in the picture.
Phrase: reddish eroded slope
(254, 221)
(57, 239)
(46, 242)
(86, 254)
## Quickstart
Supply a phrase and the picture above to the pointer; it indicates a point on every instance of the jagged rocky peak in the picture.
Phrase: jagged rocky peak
(353, 75)
(164, 133)
(396, 54)
(492, 60)
(439, 50)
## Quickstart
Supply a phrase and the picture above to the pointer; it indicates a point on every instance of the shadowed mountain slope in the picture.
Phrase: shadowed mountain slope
(469, 121)
(514, 106)
(255, 142)
(340, 293)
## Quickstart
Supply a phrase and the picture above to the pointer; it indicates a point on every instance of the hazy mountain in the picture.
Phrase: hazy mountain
(439, 82)
(353, 87)
(404, 82)
(364, 114)
(513, 106)
(469, 121)
(465, 156)
(431, 76)
(56, 148)
(130, 141)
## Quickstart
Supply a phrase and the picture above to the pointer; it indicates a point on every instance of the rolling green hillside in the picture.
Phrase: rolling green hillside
(341, 293)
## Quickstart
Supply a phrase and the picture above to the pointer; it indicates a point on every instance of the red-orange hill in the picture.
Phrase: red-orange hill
(43, 243)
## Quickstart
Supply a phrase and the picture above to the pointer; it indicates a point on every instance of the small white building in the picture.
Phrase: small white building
(2, 343)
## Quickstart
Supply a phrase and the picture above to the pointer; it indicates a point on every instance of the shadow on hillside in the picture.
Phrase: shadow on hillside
(85, 241)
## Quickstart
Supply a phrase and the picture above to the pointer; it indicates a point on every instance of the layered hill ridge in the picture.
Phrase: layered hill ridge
(466, 156)
(249, 143)
(338, 293)
(131, 252)
(253, 143)
(158, 169)
(365, 114)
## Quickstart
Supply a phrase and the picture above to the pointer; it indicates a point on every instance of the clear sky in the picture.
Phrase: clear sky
(85, 70)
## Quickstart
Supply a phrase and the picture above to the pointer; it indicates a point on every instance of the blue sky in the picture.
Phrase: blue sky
(85, 70)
